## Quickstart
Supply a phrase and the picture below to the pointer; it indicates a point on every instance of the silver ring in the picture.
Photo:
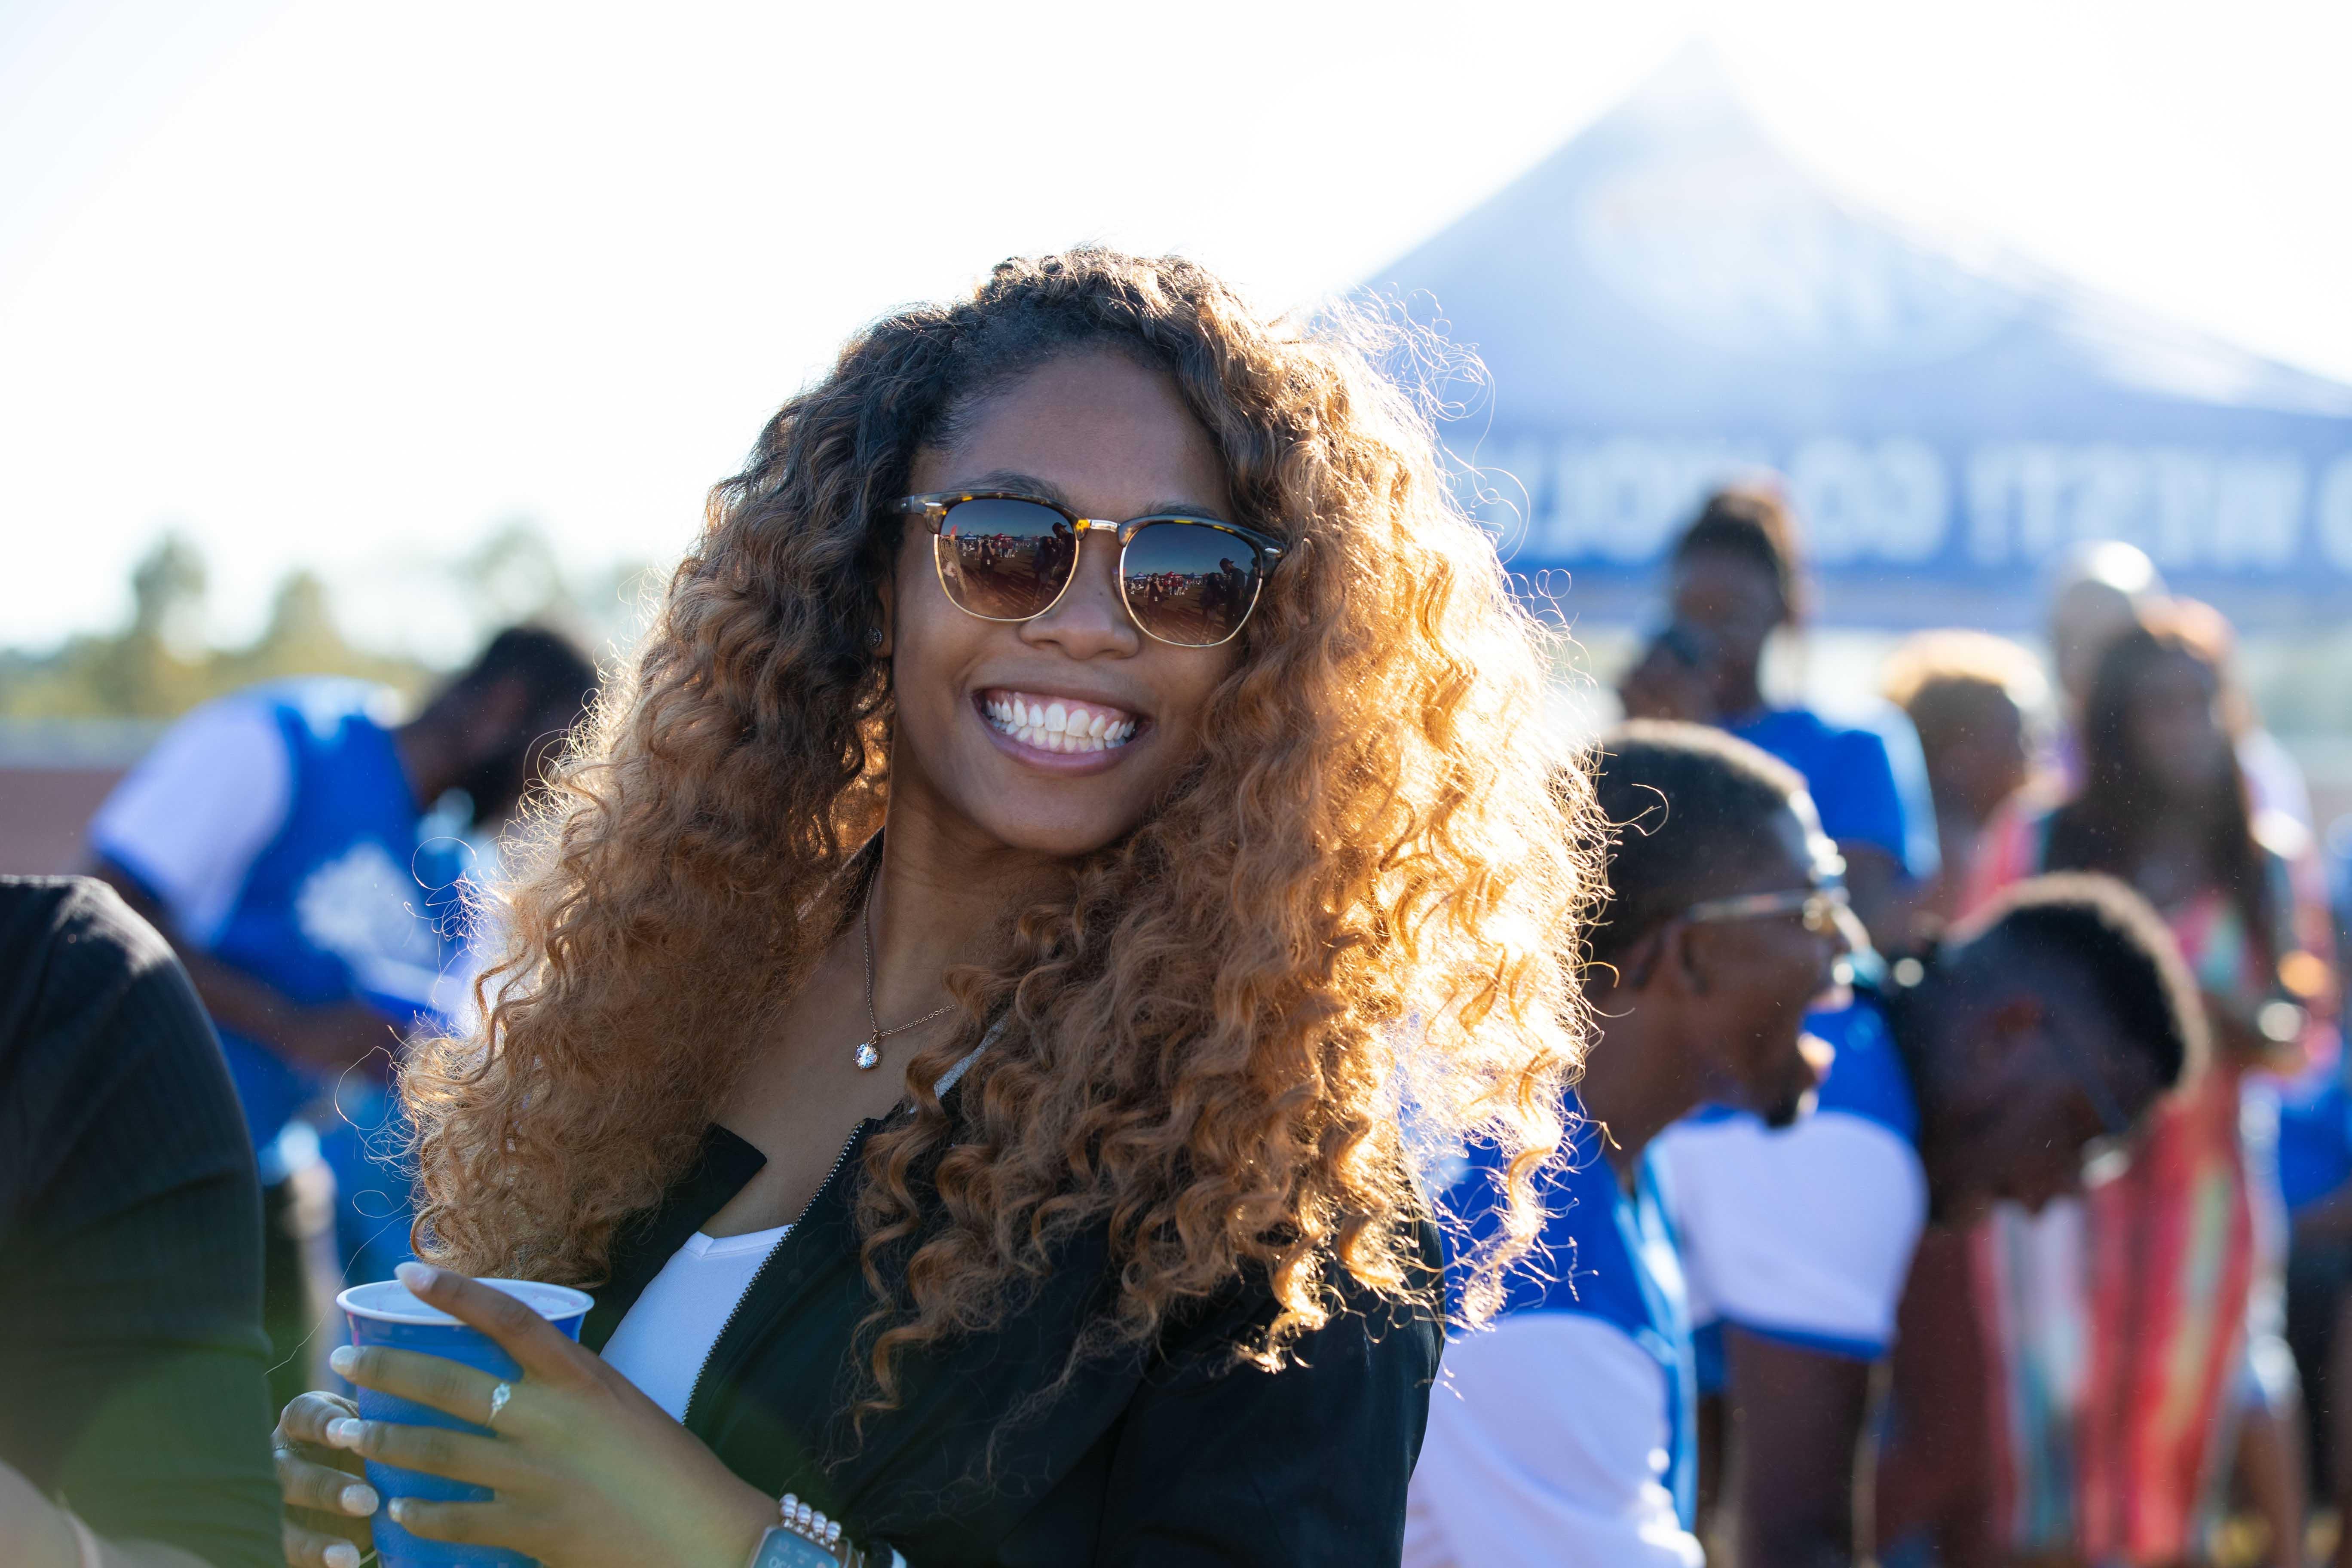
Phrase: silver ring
(498, 1397)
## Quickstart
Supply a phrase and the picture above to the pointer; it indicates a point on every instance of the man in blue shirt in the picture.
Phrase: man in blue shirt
(273, 837)
(1563, 1432)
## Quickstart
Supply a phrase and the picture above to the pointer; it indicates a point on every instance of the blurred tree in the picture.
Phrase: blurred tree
(513, 575)
(167, 593)
(157, 666)
(146, 672)
(517, 573)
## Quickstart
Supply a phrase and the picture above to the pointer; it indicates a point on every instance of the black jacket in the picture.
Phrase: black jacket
(1182, 1455)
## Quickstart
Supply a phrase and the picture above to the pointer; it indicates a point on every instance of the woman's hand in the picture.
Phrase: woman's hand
(588, 1472)
(327, 1498)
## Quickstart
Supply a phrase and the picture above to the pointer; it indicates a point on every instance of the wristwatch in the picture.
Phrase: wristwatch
(805, 1538)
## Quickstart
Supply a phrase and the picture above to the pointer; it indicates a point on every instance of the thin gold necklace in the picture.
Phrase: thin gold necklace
(869, 1050)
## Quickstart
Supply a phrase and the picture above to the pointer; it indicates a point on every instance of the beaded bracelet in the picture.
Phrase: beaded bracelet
(805, 1538)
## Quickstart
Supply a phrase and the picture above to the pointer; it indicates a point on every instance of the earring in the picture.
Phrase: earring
(873, 637)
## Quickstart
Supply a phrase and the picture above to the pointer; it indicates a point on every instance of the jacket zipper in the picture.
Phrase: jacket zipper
(692, 1398)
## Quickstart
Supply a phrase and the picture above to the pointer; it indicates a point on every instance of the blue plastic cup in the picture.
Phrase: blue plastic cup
(386, 1314)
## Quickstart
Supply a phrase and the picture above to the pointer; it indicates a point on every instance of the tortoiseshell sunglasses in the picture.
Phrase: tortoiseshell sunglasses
(1002, 556)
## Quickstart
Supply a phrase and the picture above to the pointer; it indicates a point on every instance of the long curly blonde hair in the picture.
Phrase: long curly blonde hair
(1356, 914)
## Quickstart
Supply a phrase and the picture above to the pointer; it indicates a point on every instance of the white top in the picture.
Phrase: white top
(669, 1332)
(667, 1335)
(1547, 1446)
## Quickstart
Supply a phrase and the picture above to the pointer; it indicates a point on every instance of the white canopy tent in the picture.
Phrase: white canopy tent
(1669, 301)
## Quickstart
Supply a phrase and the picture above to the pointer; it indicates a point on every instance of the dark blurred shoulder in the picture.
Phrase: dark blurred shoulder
(64, 931)
(75, 962)
(132, 1360)
(105, 1050)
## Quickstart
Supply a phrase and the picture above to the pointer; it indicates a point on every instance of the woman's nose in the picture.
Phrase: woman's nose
(1090, 620)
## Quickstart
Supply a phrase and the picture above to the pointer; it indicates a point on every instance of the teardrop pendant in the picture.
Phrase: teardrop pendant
(868, 1057)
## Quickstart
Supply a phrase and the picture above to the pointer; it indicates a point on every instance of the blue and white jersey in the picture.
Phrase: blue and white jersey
(1563, 1432)
(278, 829)
(1805, 1234)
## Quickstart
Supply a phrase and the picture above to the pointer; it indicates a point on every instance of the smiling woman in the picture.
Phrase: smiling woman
(1088, 704)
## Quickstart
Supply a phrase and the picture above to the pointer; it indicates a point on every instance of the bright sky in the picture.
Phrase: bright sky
(344, 286)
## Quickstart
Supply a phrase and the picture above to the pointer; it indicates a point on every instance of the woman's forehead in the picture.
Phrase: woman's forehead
(1096, 431)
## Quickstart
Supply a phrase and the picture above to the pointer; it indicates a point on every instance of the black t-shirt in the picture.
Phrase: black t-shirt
(132, 1356)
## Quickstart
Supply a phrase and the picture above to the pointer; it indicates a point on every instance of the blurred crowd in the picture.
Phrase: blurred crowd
(2141, 1373)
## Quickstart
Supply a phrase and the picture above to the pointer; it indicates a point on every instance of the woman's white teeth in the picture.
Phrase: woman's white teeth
(1059, 726)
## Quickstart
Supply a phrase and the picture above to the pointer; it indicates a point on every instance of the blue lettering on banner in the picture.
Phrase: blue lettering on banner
(2230, 511)
(1898, 501)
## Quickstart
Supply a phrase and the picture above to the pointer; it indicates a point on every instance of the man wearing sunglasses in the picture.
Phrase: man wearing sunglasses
(1566, 1434)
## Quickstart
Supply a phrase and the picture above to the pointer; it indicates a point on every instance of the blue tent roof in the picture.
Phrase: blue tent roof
(1670, 300)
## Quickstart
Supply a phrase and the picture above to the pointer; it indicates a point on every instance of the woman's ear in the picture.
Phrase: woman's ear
(877, 635)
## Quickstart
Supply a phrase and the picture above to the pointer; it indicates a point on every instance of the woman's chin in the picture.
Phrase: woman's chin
(1054, 837)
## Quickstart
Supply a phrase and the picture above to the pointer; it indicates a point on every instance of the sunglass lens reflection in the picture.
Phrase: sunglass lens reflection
(1004, 559)
(1188, 583)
